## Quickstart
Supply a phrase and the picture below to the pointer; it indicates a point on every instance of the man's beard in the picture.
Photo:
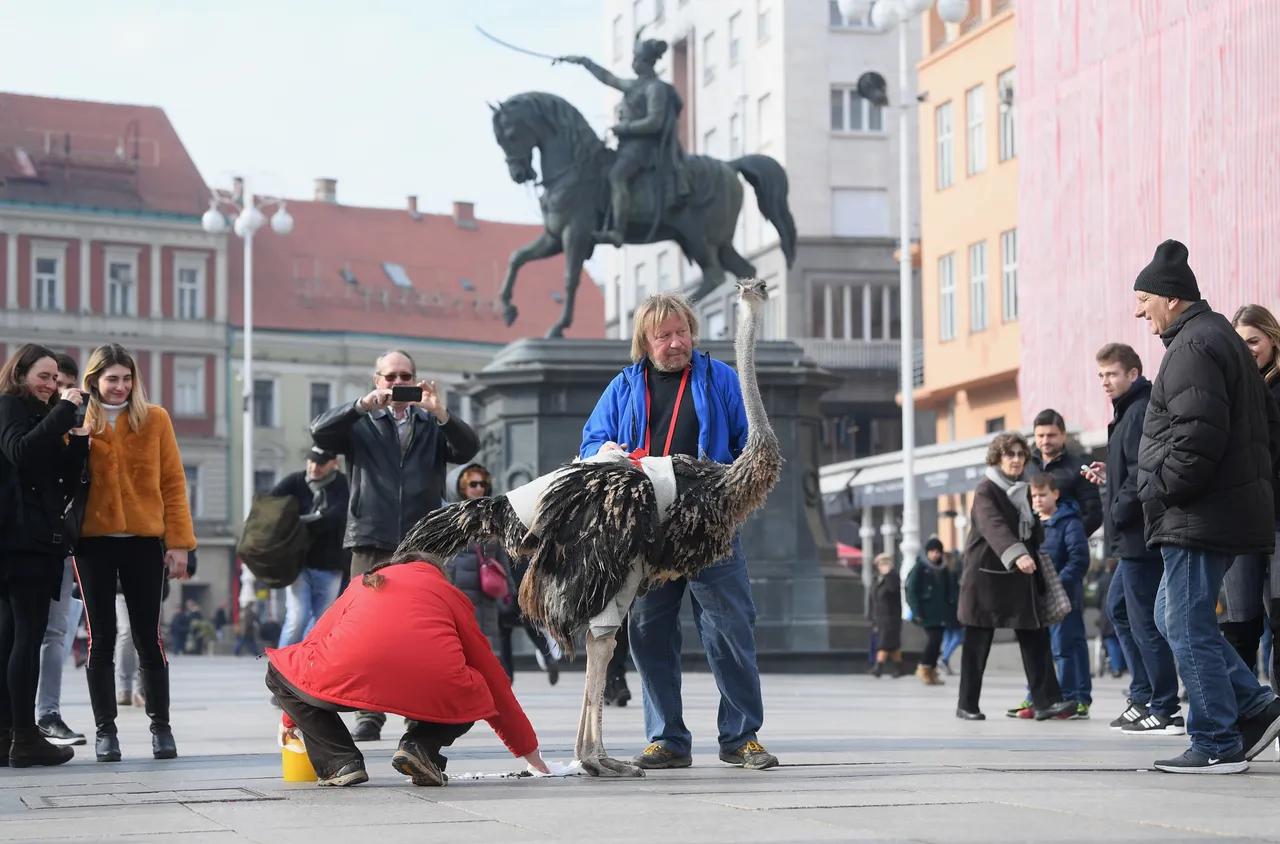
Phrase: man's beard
(671, 364)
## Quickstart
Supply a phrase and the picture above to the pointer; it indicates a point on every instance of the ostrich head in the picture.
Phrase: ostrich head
(753, 293)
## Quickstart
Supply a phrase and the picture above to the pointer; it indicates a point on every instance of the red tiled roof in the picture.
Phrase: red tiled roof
(109, 156)
(297, 285)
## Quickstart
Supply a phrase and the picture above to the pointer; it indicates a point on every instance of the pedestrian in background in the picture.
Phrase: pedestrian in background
(953, 635)
(1052, 456)
(932, 598)
(1112, 655)
(472, 480)
(886, 615)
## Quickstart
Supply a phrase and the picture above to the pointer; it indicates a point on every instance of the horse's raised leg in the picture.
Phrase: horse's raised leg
(579, 243)
(544, 247)
(695, 247)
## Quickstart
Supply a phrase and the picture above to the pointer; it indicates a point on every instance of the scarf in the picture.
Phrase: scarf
(1017, 493)
(316, 486)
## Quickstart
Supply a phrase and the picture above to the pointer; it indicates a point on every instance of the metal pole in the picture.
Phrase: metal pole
(247, 424)
(910, 506)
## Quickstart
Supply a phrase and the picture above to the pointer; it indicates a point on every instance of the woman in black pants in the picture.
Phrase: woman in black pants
(39, 472)
(137, 528)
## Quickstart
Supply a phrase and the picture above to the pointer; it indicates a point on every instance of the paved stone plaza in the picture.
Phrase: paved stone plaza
(864, 760)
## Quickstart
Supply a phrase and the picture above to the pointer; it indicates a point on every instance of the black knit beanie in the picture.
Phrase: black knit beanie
(1168, 274)
(933, 544)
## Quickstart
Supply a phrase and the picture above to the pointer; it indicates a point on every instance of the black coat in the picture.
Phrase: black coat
(1125, 530)
(886, 611)
(47, 471)
(325, 519)
(1073, 486)
(391, 491)
(1210, 442)
(991, 594)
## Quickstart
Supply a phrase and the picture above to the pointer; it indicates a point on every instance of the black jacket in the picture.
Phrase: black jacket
(1123, 513)
(47, 471)
(1275, 482)
(325, 517)
(1210, 442)
(1072, 486)
(390, 491)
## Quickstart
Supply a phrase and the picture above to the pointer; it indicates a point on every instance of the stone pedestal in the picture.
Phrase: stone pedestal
(530, 403)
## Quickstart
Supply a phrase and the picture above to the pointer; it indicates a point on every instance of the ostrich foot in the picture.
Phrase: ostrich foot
(509, 313)
(605, 766)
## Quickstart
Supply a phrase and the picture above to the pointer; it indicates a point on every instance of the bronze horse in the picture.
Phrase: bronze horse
(575, 166)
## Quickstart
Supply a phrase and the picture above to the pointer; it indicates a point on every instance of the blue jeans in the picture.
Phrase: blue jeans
(1115, 654)
(305, 600)
(1071, 654)
(1153, 675)
(725, 617)
(1220, 687)
(951, 639)
(64, 617)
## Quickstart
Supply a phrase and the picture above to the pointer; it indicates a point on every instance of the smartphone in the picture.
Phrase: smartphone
(407, 393)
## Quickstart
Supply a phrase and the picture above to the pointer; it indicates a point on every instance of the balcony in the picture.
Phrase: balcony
(852, 354)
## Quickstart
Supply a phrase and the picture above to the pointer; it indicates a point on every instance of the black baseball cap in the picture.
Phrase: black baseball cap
(319, 455)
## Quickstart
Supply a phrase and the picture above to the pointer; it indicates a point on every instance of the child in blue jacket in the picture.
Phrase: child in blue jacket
(1068, 547)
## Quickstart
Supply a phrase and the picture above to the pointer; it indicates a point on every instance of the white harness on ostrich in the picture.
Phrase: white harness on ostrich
(524, 501)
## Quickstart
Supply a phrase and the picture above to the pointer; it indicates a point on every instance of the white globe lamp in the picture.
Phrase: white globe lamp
(249, 221)
(953, 11)
(884, 14)
(916, 7)
(282, 221)
(213, 221)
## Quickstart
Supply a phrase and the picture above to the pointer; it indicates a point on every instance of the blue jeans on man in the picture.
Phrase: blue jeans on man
(1131, 600)
(1071, 651)
(725, 616)
(305, 600)
(1221, 688)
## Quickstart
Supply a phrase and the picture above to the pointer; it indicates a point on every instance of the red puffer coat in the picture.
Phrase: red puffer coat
(410, 647)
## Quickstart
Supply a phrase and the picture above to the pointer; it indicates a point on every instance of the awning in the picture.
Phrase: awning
(941, 469)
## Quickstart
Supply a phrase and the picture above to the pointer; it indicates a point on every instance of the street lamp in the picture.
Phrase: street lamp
(249, 219)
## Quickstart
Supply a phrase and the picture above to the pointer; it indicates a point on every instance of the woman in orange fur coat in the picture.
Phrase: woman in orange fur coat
(137, 527)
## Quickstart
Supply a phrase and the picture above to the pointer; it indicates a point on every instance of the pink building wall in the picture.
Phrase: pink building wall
(1139, 120)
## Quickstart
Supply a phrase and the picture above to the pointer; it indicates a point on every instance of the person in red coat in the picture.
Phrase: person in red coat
(402, 640)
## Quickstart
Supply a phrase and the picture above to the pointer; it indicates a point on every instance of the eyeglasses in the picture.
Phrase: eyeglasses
(407, 377)
(1016, 455)
(479, 485)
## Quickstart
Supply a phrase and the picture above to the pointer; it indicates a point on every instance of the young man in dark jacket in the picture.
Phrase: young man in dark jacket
(398, 455)
(1131, 597)
(1210, 449)
(1051, 456)
(323, 496)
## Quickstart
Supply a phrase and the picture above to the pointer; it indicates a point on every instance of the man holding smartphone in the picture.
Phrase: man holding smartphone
(398, 441)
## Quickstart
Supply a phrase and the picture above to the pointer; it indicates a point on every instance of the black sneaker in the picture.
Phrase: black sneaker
(1134, 712)
(57, 732)
(1156, 725)
(352, 773)
(656, 756)
(1062, 709)
(366, 731)
(1260, 730)
(1194, 762)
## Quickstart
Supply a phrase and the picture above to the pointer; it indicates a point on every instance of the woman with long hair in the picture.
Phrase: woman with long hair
(1251, 588)
(42, 456)
(137, 529)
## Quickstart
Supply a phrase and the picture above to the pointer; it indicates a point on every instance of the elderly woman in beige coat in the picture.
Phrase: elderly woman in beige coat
(1001, 581)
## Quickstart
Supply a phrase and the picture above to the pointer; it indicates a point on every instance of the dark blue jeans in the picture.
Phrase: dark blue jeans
(1220, 687)
(725, 617)
(1071, 655)
(1153, 675)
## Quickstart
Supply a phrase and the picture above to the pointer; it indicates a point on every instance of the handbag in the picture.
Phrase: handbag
(493, 577)
(1053, 604)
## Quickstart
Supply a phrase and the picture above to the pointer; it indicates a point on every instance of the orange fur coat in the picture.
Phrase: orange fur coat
(137, 483)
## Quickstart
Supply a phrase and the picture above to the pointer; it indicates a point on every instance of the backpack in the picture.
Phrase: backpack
(493, 577)
(274, 542)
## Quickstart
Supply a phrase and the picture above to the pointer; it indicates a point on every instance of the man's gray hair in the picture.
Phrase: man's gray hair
(378, 363)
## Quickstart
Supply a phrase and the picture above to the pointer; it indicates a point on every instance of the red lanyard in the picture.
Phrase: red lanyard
(675, 412)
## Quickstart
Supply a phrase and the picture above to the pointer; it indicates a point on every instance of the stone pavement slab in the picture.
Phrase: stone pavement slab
(863, 760)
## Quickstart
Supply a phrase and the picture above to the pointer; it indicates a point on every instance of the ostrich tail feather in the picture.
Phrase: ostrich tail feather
(443, 533)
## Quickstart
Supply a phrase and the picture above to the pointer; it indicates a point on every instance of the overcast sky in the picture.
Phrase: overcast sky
(386, 96)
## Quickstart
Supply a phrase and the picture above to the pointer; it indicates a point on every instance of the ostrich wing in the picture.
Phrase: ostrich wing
(443, 533)
(699, 532)
(592, 523)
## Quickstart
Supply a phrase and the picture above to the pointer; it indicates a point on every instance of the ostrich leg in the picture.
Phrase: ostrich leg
(589, 748)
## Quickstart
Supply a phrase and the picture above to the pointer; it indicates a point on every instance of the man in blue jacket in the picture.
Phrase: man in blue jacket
(676, 400)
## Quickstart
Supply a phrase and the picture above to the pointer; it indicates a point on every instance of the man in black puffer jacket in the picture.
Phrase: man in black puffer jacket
(1210, 443)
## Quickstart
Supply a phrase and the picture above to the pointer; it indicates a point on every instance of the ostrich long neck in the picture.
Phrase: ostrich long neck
(751, 477)
(744, 345)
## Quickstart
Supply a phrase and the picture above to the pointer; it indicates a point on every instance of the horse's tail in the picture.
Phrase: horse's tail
(769, 181)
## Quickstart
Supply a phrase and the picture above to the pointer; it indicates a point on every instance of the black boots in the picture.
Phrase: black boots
(31, 748)
(102, 696)
(155, 688)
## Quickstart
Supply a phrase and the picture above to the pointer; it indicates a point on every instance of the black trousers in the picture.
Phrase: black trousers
(138, 563)
(617, 671)
(506, 654)
(24, 615)
(1037, 662)
(932, 646)
(329, 743)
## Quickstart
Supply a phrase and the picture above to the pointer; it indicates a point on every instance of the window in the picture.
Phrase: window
(764, 27)
(709, 143)
(975, 111)
(735, 43)
(996, 425)
(851, 113)
(859, 212)
(189, 282)
(264, 480)
(664, 275)
(321, 397)
(188, 387)
(264, 403)
(1005, 88)
(839, 21)
(945, 143)
(978, 286)
(619, 42)
(708, 62)
(735, 136)
(1009, 274)
(640, 292)
(764, 120)
(715, 325)
(48, 265)
(947, 297)
(122, 275)
(193, 489)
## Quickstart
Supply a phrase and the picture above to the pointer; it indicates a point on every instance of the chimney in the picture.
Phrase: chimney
(327, 191)
(413, 208)
(464, 215)
(237, 188)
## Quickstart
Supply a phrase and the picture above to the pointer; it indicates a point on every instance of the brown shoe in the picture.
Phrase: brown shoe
(935, 679)
(124, 698)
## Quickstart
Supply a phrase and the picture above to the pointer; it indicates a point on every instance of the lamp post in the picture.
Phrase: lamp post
(249, 218)
(885, 14)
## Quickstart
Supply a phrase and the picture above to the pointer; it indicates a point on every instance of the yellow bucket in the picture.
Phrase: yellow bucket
(295, 762)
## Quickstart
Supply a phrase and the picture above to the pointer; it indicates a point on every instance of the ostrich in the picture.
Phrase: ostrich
(599, 530)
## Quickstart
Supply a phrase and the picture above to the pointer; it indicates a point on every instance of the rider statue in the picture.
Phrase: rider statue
(646, 132)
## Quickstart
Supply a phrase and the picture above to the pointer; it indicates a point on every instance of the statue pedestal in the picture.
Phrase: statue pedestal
(530, 403)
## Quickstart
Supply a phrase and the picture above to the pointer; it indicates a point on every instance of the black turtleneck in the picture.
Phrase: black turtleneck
(663, 387)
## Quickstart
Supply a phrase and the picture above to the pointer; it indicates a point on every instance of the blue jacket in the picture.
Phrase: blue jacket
(722, 420)
(1067, 545)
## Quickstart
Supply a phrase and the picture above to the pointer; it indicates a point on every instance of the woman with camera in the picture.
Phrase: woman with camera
(43, 455)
